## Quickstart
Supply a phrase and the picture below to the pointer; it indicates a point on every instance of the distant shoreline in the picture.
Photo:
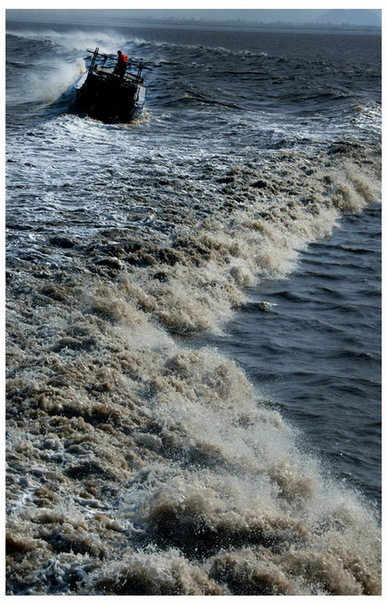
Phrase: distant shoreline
(232, 25)
(260, 25)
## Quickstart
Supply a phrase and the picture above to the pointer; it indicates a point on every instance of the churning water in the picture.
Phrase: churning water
(193, 317)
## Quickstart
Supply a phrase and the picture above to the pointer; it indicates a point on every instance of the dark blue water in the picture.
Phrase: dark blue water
(312, 343)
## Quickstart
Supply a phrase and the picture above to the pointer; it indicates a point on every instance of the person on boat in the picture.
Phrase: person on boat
(122, 64)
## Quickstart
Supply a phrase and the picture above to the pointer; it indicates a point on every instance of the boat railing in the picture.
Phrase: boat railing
(103, 60)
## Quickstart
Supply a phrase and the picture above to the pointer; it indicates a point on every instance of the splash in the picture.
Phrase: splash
(49, 83)
(74, 39)
(125, 440)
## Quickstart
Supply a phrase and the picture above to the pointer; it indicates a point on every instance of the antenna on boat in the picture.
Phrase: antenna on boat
(93, 60)
(139, 71)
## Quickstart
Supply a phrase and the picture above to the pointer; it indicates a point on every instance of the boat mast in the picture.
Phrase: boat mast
(93, 60)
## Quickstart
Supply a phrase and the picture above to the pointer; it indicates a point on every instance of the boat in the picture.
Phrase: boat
(105, 94)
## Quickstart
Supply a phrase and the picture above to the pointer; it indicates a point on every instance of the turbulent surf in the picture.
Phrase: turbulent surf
(141, 460)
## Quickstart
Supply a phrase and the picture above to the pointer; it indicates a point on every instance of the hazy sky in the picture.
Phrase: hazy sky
(65, 11)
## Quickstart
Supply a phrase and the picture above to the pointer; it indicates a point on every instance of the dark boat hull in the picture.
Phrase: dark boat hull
(109, 97)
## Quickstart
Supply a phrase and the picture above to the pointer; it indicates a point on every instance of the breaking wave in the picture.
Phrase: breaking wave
(124, 438)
